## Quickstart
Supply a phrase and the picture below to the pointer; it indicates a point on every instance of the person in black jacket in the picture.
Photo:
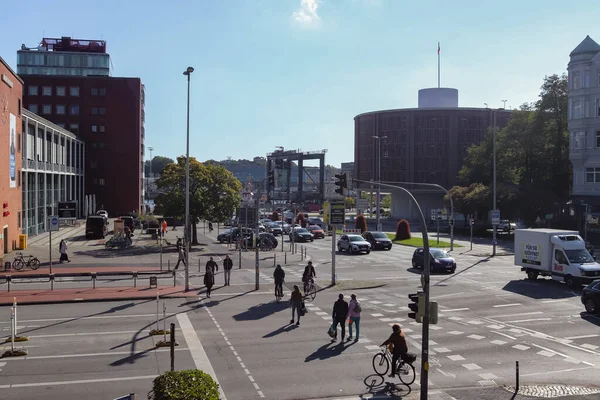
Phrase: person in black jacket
(279, 276)
(340, 312)
(227, 266)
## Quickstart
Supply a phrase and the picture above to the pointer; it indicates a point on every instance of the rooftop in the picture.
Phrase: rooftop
(587, 46)
(69, 44)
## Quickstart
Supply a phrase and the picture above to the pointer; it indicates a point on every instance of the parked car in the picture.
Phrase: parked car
(95, 227)
(438, 259)
(265, 221)
(104, 214)
(378, 240)
(591, 297)
(301, 235)
(274, 228)
(224, 236)
(353, 244)
(316, 231)
(315, 221)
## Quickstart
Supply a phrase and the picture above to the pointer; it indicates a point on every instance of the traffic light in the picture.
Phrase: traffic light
(417, 306)
(433, 312)
(341, 183)
(271, 178)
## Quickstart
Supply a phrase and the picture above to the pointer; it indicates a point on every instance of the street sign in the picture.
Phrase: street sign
(549, 216)
(53, 223)
(438, 214)
(362, 204)
(496, 217)
(338, 213)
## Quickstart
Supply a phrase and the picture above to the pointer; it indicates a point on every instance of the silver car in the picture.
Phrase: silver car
(353, 244)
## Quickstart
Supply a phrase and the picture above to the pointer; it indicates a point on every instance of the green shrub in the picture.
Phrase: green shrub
(403, 230)
(361, 223)
(191, 384)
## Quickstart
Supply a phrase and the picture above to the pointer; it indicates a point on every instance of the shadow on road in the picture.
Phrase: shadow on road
(377, 385)
(541, 289)
(287, 328)
(261, 311)
(329, 350)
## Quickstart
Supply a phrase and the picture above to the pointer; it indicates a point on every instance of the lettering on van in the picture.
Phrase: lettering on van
(531, 254)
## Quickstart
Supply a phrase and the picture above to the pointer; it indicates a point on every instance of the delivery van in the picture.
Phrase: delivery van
(560, 254)
(95, 227)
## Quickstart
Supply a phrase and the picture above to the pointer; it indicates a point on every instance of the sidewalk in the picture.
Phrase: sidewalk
(64, 269)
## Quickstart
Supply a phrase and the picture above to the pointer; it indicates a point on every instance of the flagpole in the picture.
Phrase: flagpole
(438, 65)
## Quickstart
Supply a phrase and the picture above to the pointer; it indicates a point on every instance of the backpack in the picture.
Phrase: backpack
(357, 307)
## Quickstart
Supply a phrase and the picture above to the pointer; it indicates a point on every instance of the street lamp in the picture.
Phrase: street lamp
(378, 200)
(149, 174)
(494, 180)
(186, 244)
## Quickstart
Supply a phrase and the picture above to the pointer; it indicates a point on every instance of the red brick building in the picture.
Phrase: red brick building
(11, 133)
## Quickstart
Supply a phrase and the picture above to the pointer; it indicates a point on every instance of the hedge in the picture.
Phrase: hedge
(191, 384)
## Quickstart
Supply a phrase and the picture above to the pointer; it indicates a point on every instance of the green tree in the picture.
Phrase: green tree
(158, 164)
(214, 192)
(386, 202)
(350, 202)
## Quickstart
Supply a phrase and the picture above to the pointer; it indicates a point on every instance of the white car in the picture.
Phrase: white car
(103, 213)
(506, 226)
(353, 244)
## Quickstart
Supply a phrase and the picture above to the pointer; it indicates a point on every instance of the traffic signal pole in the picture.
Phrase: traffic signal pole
(426, 276)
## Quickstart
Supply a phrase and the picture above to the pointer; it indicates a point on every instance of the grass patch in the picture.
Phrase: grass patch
(418, 242)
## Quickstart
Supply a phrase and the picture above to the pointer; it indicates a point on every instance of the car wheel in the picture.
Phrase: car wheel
(339, 248)
(570, 281)
(590, 306)
(414, 264)
(452, 270)
(368, 251)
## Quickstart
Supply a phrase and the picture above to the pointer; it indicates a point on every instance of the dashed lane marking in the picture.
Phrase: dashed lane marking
(520, 347)
(471, 367)
(498, 342)
(456, 357)
(508, 305)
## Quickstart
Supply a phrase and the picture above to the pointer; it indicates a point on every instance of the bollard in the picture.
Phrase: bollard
(199, 267)
(12, 329)
(240, 262)
(164, 321)
(172, 343)
(15, 307)
(51, 281)
(174, 279)
(94, 280)
(169, 264)
(135, 279)
(157, 311)
(285, 258)
(517, 372)
(8, 279)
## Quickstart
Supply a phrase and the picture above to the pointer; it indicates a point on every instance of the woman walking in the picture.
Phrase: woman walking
(209, 281)
(296, 303)
(354, 310)
(63, 251)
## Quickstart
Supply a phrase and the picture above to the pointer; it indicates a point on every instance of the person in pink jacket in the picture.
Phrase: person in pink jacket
(354, 310)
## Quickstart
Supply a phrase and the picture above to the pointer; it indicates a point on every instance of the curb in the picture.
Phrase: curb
(104, 299)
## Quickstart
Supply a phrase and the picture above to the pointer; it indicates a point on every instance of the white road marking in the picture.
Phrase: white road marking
(555, 300)
(556, 372)
(476, 337)
(508, 305)
(376, 315)
(546, 353)
(498, 342)
(455, 318)
(589, 346)
(455, 333)
(456, 357)
(321, 313)
(454, 309)
(488, 376)
(581, 337)
(371, 347)
(110, 353)
(518, 315)
(442, 350)
(495, 326)
(529, 320)
(78, 382)
(196, 350)
(448, 295)
(471, 367)
(520, 347)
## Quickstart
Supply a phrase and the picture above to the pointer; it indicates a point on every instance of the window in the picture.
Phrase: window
(102, 110)
(33, 108)
(102, 91)
(74, 91)
(598, 139)
(46, 109)
(101, 145)
(578, 140)
(46, 90)
(60, 109)
(94, 92)
(62, 125)
(94, 110)
(74, 128)
(577, 109)
(33, 90)
(101, 127)
(559, 256)
(19, 142)
(592, 175)
(61, 91)
(74, 109)
(94, 128)
(576, 80)
(101, 181)
(597, 106)
(19, 99)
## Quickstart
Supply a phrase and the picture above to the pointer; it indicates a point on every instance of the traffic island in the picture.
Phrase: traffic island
(14, 353)
(165, 343)
(17, 339)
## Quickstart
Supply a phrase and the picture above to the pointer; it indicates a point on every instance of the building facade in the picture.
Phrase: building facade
(584, 122)
(106, 112)
(11, 90)
(53, 171)
(420, 145)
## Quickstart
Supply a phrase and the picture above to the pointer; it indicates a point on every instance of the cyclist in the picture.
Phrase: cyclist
(308, 275)
(398, 340)
(279, 276)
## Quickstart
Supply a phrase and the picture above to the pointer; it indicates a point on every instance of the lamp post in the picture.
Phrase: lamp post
(186, 244)
(378, 199)
(151, 149)
(494, 180)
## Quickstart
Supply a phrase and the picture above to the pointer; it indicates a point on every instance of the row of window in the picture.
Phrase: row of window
(579, 140)
(61, 91)
(61, 109)
(577, 81)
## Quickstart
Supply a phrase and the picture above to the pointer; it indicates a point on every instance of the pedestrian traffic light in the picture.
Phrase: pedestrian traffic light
(417, 306)
(271, 178)
(341, 183)
(433, 312)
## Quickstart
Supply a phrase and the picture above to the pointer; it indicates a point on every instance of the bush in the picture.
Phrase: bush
(361, 223)
(275, 216)
(301, 220)
(191, 384)
(403, 230)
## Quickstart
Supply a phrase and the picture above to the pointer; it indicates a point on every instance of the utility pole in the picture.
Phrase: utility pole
(504, 101)
(494, 179)
(186, 242)
(257, 239)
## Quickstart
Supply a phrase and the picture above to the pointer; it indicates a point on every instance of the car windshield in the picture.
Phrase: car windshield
(439, 254)
(356, 238)
(301, 230)
(579, 256)
(379, 235)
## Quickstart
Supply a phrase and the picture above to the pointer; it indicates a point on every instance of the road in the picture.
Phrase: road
(490, 318)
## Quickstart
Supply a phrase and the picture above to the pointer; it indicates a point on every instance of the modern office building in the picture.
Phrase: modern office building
(427, 144)
(53, 171)
(11, 89)
(584, 123)
(68, 82)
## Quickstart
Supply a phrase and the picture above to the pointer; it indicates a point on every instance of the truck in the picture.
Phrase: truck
(560, 254)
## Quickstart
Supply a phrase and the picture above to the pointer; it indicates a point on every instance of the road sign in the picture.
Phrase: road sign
(496, 217)
(338, 213)
(53, 223)
(438, 214)
(362, 204)
(549, 216)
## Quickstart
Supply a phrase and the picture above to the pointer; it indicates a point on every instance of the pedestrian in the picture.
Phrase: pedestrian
(354, 310)
(296, 303)
(63, 251)
(209, 281)
(164, 227)
(211, 264)
(181, 254)
(340, 311)
(279, 276)
(227, 266)
(210, 227)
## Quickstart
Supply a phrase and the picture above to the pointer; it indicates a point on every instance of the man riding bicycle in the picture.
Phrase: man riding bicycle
(398, 340)
(308, 275)
(279, 276)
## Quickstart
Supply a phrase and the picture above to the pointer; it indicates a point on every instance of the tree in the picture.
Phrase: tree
(301, 220)
(349, 202)
(386, 202)
(361, 223)
(214, 192)
(275, 216)
(403, 230)
(158, 164)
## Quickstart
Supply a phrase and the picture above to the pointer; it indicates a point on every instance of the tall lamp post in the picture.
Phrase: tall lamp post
(494, 181)
(186, 244)
(151, 149)
(378, 199)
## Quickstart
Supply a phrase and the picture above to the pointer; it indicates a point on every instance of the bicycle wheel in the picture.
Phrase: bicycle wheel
(406, 372)
(18, 264)
(312, 292)
(381, 364)
(34, 263)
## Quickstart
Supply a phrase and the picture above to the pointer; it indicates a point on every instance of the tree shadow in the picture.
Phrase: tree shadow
(261, 311)
(286, 328)
(378, 386)
(328, 350)
(541, 289)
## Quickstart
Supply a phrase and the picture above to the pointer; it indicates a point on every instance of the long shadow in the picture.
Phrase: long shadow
(593, 319)
(378, 386)
(286, 328)
(328, 350)
(541, 289)
(261, 311)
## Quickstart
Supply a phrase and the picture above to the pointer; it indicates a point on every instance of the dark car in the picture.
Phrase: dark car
(316, 231)
(439, 260)
(353, 244)
(128, 221)
(315, 221)
(591, 297)
(301, 235)
(95, 227)
(378, 240)
(224, 236)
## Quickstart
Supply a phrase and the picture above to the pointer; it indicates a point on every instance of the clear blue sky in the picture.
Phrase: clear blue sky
(294, 73)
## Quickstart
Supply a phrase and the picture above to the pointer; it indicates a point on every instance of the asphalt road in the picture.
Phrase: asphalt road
(490, 317)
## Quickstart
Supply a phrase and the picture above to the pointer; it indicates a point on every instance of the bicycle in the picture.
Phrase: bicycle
(19, 262)
(405, 368)
(310, 291)
(278, 293)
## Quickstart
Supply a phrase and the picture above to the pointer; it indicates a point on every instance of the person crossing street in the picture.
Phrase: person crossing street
(227, 266)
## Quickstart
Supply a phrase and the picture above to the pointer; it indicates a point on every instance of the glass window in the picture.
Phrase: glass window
(578, 140)
(61, 91)
(94, 110)
(46, 90)
(33, 108)
(576, 80)
(74, 91)
(74, 109)
(32, 90)
(589, 175)
(102, 110)
(94, 128)
(101, 181)
(60, 109)
(102, 91)
(94, 92)
(597, 106)
(101, 128)
(74, 128)
(62, 125)
(46, 109)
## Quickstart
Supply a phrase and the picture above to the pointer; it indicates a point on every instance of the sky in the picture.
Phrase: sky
(295, 73)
